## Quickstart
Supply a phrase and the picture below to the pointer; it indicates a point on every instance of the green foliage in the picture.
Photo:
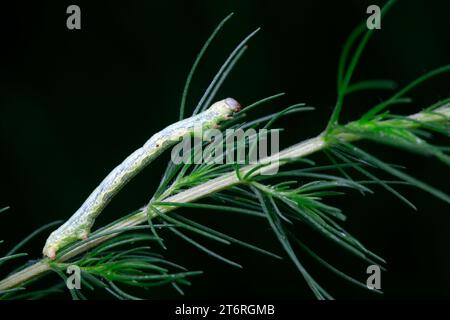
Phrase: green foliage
(114, 263)
(290, 201)
(298, 195)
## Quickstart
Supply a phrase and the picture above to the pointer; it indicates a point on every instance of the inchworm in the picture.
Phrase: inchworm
(79, 225)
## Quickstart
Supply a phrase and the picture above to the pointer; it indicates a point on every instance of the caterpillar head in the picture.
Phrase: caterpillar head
(232, 104)
(226, 107)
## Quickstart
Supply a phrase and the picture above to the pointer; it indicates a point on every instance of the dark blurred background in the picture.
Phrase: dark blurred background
(75, 103)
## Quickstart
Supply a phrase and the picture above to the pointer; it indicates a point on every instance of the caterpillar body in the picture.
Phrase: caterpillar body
(79, 224)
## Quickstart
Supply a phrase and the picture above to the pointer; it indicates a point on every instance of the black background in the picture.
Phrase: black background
(73, 104)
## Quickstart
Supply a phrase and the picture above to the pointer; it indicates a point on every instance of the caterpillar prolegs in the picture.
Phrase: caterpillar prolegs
(79, 224)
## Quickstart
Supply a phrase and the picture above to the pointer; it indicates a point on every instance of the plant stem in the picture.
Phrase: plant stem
(225, 181)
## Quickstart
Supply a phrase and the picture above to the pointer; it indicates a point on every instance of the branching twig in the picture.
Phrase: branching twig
(300, 150)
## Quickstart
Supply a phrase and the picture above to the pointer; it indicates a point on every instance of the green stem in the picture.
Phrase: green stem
(225, 181)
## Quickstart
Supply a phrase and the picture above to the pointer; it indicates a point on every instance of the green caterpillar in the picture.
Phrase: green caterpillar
(79, 225)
